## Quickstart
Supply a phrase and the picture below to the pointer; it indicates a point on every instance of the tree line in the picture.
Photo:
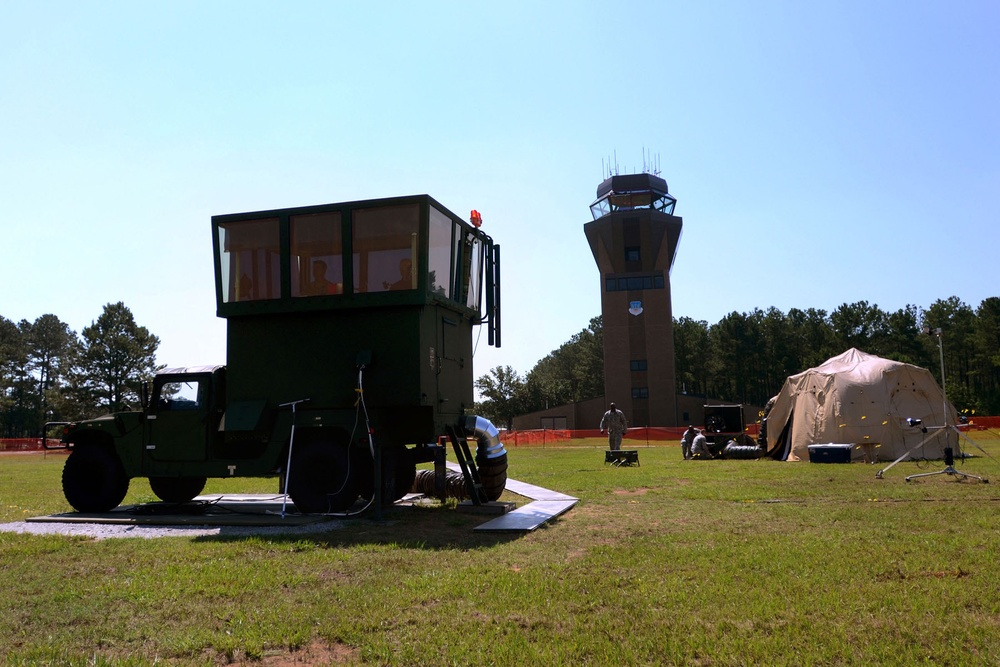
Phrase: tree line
(746, 357)
(50, 373)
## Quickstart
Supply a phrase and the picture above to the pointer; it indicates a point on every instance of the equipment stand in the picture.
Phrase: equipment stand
(949, 469)
(949, 454)
(291, 441)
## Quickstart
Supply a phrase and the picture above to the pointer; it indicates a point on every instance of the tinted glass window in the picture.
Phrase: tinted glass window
(180, 396)
(249, 260)
(440, 253)
(317, 254)
(385, 247)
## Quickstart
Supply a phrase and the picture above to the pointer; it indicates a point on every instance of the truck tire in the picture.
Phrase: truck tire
(320, 480)
(93, 479)
(398, 473)
(177, 489)
(404, 472)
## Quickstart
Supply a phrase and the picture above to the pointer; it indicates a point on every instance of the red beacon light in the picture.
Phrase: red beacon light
(476, 219)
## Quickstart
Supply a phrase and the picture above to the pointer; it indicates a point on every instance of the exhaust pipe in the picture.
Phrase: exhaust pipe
(491, 460)
(487, 435)
(491, 457)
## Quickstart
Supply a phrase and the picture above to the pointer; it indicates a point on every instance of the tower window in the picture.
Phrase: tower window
(634, 281)
(637, 365)
(632, 254)
(640, 392)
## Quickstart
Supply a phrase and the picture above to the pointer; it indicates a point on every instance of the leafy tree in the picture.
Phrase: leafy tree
(501, 390)
(574, 372)
(691, 356)
(734, 339)
(986, 341)
(812, 339)
(14, 388)
(116, 358)
(50, 347)
(956, 320)
(746, 357)
(903, 337)
(859, 325)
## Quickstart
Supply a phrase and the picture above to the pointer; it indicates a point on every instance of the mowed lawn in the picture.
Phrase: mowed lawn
(669, 563)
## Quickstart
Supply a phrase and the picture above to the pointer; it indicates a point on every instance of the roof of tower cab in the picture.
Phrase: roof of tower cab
(631, 191)
(632, 183)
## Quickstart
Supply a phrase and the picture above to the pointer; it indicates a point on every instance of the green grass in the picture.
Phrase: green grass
(673, 562)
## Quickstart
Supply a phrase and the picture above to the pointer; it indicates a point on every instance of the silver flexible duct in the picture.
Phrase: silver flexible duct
(486, 435)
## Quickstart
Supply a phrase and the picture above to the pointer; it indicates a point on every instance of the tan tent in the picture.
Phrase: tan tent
(863, 400)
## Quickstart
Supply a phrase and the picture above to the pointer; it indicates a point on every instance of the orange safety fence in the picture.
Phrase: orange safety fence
(984, 423)
(20, 444)
(649, 436)
(652, 436)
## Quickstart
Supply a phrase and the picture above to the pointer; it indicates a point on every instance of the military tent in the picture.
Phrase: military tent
(863, 400)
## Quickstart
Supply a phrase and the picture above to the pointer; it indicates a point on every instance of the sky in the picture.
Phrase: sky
(820, 153)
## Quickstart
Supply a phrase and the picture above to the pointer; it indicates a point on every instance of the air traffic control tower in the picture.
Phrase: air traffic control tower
(634, 238)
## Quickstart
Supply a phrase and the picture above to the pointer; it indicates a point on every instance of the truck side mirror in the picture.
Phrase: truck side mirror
(144, 396)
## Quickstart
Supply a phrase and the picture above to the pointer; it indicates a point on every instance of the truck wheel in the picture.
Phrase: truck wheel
(177, 489)
(404, 473)
(93, 479)
(321, 479)
(398, 473)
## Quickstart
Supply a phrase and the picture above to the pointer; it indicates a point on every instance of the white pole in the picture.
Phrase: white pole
(944, 394)
(291, 441)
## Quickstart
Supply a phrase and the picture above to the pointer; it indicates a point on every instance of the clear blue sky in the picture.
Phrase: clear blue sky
(820, 153)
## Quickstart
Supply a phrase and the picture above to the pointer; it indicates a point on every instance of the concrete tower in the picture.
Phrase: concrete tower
(634, 237)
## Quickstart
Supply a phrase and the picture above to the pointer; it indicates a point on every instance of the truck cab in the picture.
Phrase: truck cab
(183, 418)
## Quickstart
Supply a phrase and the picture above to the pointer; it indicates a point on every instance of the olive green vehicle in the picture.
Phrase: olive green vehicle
(349, 343)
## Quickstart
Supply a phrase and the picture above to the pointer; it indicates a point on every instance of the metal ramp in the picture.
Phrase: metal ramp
(545, 506)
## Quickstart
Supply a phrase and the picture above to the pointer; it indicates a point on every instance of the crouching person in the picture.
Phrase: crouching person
(699, 447)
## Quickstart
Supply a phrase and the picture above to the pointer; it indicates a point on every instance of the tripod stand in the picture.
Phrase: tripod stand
(949, 453)
(949, 469)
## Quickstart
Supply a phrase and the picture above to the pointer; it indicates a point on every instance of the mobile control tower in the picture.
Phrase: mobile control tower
(350, 341)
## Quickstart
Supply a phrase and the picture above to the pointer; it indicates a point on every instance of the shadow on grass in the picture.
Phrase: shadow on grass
(432, 528)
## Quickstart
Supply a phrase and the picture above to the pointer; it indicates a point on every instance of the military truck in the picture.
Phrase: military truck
(349, 361)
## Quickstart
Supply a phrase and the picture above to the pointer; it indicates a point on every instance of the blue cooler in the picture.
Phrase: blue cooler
(830, 453)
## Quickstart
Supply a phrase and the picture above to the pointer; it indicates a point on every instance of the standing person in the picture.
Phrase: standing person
(615, 424)
(699, 447)
(686, 440)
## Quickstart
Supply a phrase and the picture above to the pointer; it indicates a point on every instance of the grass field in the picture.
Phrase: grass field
(670, 563)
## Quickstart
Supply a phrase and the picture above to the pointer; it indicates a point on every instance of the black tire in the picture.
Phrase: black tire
(177, 489)
(321, 479)
(398, 473)
(93, 479)
(404, 472)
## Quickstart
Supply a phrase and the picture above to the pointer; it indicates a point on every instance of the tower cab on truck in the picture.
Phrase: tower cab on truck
(349, 356)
